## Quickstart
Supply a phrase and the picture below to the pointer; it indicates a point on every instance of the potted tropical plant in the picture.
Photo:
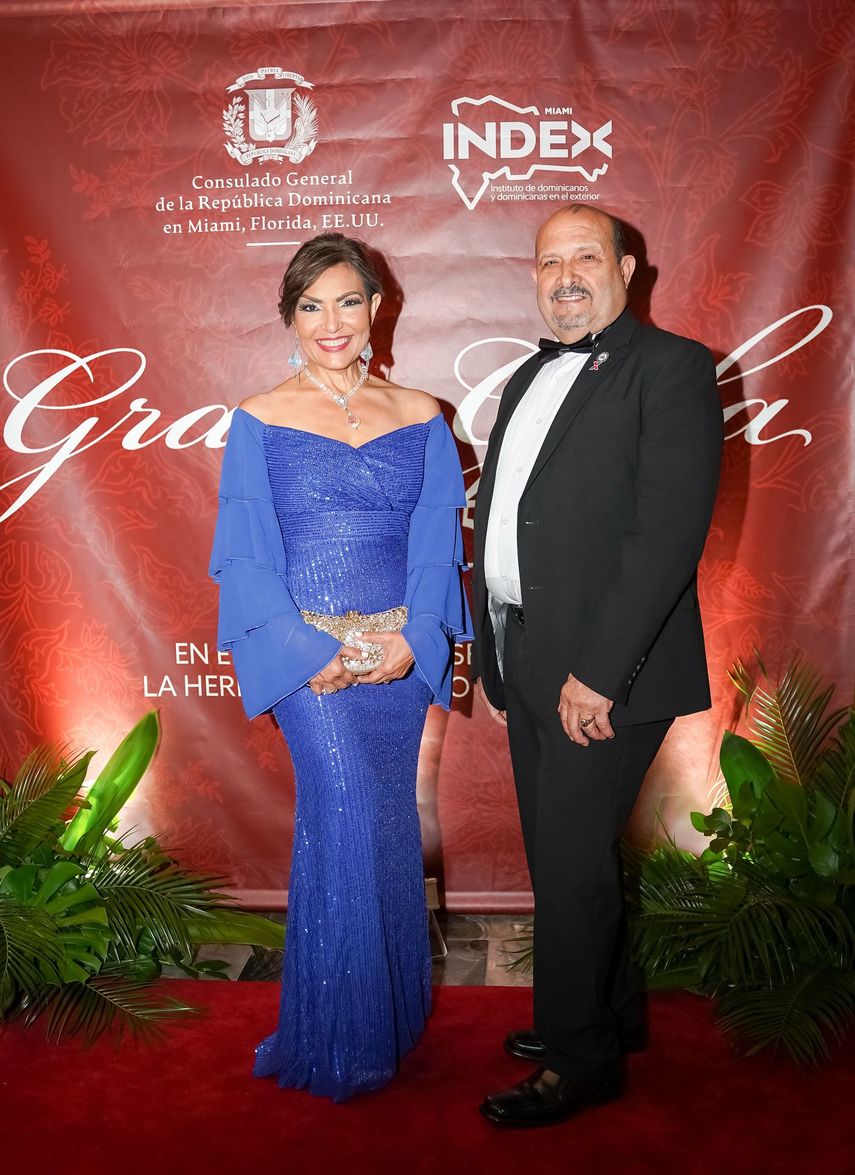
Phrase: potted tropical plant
(87, 921)
(764, 918)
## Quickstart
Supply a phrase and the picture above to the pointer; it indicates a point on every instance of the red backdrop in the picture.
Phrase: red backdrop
(160, 162)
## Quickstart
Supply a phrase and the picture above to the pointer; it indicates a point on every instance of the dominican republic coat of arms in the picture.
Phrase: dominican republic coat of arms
(279, 122)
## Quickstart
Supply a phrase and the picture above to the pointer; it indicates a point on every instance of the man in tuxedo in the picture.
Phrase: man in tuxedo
(593, 507)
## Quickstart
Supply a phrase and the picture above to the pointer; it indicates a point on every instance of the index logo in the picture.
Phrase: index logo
(533, 144)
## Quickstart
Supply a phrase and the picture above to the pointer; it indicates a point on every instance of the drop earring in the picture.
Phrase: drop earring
(367, 352)
(296, 359)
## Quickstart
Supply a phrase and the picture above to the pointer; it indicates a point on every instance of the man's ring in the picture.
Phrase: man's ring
(586, 722)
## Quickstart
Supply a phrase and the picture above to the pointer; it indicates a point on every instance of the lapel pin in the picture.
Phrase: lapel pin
(601, 358)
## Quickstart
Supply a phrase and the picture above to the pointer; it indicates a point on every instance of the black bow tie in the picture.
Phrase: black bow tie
(551, 348)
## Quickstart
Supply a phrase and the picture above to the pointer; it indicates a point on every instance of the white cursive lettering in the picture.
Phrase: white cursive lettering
(479, 393)
(90, 431)
(144, 426)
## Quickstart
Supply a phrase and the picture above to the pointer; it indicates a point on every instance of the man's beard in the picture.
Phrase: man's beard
(571, 319)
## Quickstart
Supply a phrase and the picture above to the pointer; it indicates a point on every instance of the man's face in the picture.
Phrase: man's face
(581, 285)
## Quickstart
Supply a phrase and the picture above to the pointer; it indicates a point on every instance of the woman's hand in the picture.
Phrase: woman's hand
(397, 662)
(336, 675)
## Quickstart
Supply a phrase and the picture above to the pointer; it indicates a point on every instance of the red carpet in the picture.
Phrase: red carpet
(190, 1105)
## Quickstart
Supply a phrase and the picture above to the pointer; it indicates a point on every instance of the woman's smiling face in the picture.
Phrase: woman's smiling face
(333, 318)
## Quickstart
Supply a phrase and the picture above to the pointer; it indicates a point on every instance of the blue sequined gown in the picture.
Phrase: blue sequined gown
(356, 976)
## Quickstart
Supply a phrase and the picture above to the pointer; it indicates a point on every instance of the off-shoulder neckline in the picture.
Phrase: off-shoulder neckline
(335, 440)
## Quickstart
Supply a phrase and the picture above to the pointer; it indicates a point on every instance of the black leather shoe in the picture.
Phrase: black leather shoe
(545, 1098)
(528, 1045)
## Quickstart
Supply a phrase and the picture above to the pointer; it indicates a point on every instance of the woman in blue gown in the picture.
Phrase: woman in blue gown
(340, 493)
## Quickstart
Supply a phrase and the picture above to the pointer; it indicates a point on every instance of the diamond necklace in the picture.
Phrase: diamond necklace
(342, 398)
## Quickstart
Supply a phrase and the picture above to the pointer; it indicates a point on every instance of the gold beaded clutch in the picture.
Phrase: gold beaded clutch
(344, 627)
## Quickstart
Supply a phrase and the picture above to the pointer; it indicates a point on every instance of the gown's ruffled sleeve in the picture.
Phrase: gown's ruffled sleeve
(273, 650)
(436, 601)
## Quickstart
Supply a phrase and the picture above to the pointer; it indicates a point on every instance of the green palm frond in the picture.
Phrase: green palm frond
(31, 805)
(835, 772)
(144, 891)
(734, 928)
(790, 724)
(79, 922)
(744, 680)
(678, 919)
(669, 889)
(632, 857)
(798, 1015)
(235, 926)
(521, 953)
(116, 999)
(718, 794)
(29, 951)
(666, 960)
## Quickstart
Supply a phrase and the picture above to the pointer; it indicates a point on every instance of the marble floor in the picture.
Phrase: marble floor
(480, 948)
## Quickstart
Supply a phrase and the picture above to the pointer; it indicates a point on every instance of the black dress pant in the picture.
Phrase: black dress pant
(574, 803)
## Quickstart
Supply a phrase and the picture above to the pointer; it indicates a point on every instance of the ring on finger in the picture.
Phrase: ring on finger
(586, 722)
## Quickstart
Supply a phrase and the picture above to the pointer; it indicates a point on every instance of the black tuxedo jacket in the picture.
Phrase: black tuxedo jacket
(611, 527)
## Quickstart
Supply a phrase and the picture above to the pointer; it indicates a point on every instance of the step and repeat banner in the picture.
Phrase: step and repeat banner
(160, 165)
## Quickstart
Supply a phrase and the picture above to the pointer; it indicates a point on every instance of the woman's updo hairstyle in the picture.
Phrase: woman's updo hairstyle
(316, 257)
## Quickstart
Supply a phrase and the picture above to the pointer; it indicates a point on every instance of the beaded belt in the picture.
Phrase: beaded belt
(344, 627)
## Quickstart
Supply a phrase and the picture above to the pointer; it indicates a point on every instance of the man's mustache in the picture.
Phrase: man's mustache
(569, 291)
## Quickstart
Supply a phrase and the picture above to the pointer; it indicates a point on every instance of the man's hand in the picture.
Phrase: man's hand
(497, 715)
(576, 704)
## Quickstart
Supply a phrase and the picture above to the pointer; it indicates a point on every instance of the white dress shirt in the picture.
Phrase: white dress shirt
(521, 445)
